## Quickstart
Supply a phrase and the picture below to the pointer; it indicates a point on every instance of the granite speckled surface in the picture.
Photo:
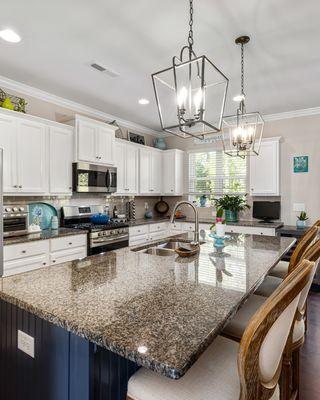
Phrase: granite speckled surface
(43, 235)
(160, 312)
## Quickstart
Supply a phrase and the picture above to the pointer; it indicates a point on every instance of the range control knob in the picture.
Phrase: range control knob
(21, 208)
(14, 209)
(7, 209)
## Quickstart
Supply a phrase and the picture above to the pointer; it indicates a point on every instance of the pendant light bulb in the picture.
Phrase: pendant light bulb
(182, 97)
(198, 100)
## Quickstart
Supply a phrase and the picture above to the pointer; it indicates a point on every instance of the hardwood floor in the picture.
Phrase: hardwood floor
(310, 353)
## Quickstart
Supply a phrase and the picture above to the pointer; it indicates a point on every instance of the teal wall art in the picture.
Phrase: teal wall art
(300, 164)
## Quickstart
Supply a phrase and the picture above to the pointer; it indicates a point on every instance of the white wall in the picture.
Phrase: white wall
(300, 136)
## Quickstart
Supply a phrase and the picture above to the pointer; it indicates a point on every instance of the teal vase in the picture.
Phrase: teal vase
(231, 216)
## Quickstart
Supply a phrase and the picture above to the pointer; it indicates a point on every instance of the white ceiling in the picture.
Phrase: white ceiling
(135, 38)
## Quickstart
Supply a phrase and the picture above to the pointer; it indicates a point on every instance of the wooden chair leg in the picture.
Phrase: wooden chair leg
(286, 378)
(296, 374)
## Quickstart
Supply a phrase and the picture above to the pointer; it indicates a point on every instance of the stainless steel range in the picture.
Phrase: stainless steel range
(101, 238)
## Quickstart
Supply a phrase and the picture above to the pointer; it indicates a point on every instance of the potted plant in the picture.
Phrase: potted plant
(231, 206)
(301, 221)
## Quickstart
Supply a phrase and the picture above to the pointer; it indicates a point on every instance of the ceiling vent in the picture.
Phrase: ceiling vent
(99, 67)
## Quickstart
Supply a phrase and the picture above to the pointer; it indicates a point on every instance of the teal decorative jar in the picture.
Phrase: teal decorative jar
(160, 143)
(301, 224)
(231, 216)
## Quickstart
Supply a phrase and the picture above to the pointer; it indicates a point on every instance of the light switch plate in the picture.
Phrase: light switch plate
(299, 207)
(26, 343)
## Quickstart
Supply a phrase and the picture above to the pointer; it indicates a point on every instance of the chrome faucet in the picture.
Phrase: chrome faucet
(196, 218)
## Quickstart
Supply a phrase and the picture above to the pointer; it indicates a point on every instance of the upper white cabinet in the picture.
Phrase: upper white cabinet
(173, 176)
(127, 163)
(61, 154)
(31, 152)
(150, 168)
(24, 156)
(95, 141)
(265, 169)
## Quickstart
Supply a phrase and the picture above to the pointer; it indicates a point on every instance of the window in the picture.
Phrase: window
(214, 174)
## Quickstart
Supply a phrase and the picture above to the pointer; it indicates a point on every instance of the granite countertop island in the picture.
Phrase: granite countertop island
(43, 235)
(159, 312)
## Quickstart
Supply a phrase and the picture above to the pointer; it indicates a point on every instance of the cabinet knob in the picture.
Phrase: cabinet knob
(20, 186)
(23, 251)
(44, 263)
(70, 243)
(53, 261)
(70, 187)
(15, 186)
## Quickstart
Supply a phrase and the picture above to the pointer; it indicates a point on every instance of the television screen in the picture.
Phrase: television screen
(266, 210)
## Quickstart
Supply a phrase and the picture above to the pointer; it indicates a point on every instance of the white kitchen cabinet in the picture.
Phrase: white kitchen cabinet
(25, 257)
(142, 234)
(173, 177)
(150, 171)
(95, 141)
(68, 248)
(265, 169)
(127, 162)
(8, 142)
(24, 152)
(31, 154)
(61, 156)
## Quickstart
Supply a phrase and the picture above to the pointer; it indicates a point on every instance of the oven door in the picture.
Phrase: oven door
(15, 225)
(91, 178)
(99, 245)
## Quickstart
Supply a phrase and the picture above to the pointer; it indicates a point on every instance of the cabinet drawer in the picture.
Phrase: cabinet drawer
(23, 250)
(68, 255)
(136, 240)
(139, 230)
(19, 266)
(248, 230)
(162, 226)
(176, 226)
(158, 235)
(66, 242)
(185, 226)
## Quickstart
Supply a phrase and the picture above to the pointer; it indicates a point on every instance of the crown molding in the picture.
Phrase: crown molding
(31, 91)
(306, 112)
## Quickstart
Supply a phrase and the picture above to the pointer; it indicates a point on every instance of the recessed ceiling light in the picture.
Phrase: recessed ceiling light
(10, 36)
(144, 101)
(239, 97)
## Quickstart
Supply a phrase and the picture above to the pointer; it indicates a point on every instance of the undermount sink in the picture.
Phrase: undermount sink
(159, 251)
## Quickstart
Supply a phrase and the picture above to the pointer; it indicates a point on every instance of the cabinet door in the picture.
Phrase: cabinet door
(86, 141)
(132, 169)
(120, 163)
(61, 149)
(8, 142)
(32, 168)
(156, 172)
(145, 171)
(105, 145)
(168, 173)
(179, 175)
(264, 170)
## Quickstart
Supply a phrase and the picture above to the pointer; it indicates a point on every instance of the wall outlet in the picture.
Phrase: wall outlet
(298, 207)
(26, 343)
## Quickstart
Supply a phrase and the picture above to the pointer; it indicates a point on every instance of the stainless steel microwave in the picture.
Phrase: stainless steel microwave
(90, 178)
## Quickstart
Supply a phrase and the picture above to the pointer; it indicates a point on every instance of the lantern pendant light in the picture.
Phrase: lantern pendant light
(242, 132)
(191, 93)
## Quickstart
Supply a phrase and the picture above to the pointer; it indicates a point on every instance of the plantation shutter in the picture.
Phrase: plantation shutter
(215, 173)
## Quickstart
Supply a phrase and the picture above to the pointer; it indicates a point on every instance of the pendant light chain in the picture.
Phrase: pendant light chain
(190, 36)
(242, 105)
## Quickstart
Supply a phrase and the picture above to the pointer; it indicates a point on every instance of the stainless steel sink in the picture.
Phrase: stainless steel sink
(159, 251)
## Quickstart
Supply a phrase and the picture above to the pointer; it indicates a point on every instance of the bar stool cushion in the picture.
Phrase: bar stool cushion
(299, 331)
(213, 376)
(268, 286)
(280, 270)
(238, 324)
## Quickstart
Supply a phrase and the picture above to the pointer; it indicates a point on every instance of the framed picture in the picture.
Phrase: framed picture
(135, 138)
(300, 164)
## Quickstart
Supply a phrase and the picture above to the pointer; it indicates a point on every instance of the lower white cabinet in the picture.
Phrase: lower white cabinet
(146, 233)
(25, 257)
(28, 256)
